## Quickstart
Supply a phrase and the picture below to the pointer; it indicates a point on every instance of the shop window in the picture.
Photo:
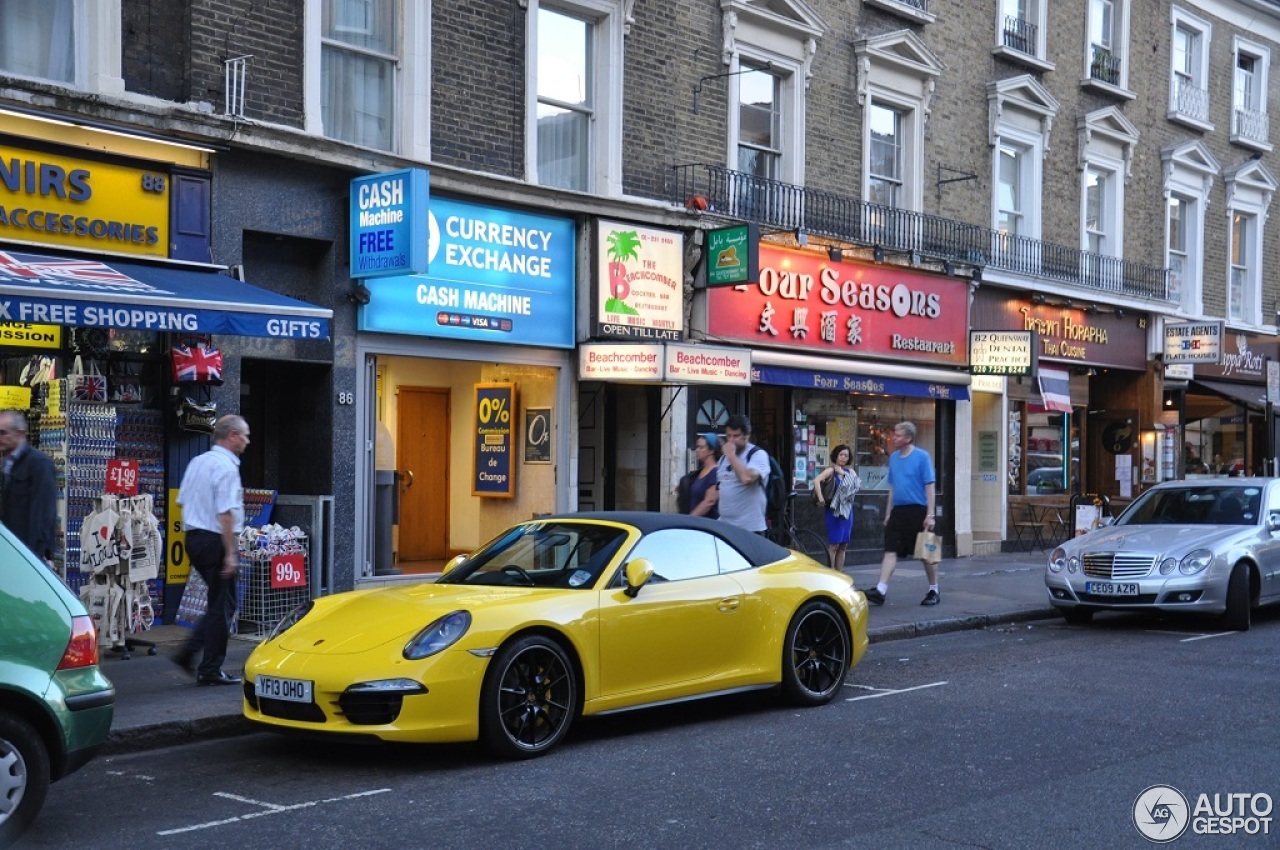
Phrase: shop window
(1041, 453)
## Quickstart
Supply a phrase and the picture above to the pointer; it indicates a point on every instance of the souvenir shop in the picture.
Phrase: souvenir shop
(866, 347)
(110, 345)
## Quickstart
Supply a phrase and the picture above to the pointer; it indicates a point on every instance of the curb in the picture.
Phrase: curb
(172, 733)
(957, 624)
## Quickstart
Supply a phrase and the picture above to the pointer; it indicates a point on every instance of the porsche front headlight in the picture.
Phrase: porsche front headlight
(440, 635)
(1195, 562)
(290, 619)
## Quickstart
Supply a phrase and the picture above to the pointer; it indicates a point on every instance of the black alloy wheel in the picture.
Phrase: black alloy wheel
(1238, 614)
(816, 654)
(529, 698)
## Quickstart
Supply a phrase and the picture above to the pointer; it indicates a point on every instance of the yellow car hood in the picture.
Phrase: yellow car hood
(360, 621)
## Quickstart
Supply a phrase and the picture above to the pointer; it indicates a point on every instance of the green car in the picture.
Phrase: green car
(55, 704)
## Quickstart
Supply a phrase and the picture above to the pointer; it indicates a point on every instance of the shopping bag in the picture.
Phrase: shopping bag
(196, 417)
(928, 547)
(89, 386)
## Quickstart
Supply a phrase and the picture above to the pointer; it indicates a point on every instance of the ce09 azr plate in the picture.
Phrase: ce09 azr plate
(288, 690)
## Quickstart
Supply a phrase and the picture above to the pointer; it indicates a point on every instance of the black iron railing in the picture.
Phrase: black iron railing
(1105, 66)
(1020, 34)
(783, 206)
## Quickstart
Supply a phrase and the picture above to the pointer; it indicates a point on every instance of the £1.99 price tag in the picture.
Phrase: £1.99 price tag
(288, 571)
(122, 477)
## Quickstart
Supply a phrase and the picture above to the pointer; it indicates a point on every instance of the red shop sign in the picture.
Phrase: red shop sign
(805, 301)
(288, 571)
(122, 477)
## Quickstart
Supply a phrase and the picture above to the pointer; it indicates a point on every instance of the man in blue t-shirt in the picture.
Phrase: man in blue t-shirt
(910, 503)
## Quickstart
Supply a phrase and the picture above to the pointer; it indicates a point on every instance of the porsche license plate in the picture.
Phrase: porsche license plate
(289, 690)
(1110, 588)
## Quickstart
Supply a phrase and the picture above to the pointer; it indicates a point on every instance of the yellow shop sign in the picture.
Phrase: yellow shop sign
(30, 336)
(77, 203)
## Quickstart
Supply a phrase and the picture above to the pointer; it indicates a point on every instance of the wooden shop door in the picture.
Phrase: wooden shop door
(422, 449)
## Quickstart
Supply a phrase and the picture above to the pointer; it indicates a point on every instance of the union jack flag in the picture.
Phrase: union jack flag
(196, 364)
(35, 267)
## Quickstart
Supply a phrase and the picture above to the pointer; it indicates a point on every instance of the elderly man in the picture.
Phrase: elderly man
(28, 490)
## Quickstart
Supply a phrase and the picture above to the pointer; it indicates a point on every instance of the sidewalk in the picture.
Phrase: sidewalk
(159, 705)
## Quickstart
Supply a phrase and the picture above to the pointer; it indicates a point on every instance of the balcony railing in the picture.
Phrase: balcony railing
(1020, 34)
(1251, 125)
(1192, 101)
(1105, 66)
(784, 206)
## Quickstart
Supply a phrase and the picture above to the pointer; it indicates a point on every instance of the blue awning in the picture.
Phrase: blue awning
(87, 292)
(849, 383)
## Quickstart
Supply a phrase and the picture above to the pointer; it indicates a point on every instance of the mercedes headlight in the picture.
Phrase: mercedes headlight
(1195, 562)
(440, 635)
(1057, 560)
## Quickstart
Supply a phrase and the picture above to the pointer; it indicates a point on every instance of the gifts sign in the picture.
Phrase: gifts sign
(288, 571)
(122, 477)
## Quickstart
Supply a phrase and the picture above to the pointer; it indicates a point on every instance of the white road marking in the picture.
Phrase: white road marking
(1193, 637)
(1203, 637)
(271, 809)
(886, 692)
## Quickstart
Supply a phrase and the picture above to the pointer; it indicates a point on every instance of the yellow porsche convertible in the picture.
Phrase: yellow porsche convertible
(560, 617)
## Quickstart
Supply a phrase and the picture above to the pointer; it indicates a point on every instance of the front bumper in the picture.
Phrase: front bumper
(1181, 594)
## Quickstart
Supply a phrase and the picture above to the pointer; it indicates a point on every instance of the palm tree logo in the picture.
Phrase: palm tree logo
(624, 245)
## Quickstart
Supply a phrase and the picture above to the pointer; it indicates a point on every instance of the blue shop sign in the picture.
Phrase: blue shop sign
(389, 223)
(496, 275)
(846, 383)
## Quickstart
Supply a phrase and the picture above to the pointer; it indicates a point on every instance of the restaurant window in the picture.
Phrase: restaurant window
(1043, 456)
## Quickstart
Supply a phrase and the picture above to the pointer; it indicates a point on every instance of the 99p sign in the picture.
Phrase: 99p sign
(288, 571)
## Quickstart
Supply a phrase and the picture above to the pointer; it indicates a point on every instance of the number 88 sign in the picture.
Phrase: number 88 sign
(288, 571)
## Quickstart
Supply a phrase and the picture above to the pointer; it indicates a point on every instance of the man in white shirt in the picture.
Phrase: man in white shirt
(212, 501)
(742, 474)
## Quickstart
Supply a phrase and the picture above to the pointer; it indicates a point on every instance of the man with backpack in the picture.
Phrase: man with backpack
(743, 476)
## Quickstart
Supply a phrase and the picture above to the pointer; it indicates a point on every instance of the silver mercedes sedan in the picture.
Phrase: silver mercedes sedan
(1207, 546)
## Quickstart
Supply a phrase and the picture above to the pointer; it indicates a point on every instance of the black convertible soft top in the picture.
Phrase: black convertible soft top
(755, 548)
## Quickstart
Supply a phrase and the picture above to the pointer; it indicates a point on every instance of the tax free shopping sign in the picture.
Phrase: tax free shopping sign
(495, 275)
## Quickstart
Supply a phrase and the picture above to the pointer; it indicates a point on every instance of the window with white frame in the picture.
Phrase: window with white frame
(1249, 95)
(63, 41)
(768, 54)
(1106, 146)
(884, 178)
(1107, 48)
(760, 123)
(1189, 80)
(1250, 188)
(896, 74)
(359, 56)
(574, 134)
(1021, 113)
(1240, 284)
(1189, 172)
(1021, 32)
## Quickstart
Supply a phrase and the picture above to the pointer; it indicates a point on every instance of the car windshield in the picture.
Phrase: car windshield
(1218, 505)
(542, 554)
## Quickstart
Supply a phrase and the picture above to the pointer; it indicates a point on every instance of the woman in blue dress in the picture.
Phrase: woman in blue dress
(838, 501)
(700, 485)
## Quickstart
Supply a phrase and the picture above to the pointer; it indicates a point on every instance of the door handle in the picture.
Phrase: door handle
(408, 474)
(729, 605)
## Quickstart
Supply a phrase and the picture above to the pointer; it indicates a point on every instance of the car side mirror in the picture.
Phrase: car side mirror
(453, 564)
(637, 574)
(1273, 521)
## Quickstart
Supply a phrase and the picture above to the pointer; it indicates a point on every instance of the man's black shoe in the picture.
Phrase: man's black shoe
(218, 679)
(874, 595)
(931, 598)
